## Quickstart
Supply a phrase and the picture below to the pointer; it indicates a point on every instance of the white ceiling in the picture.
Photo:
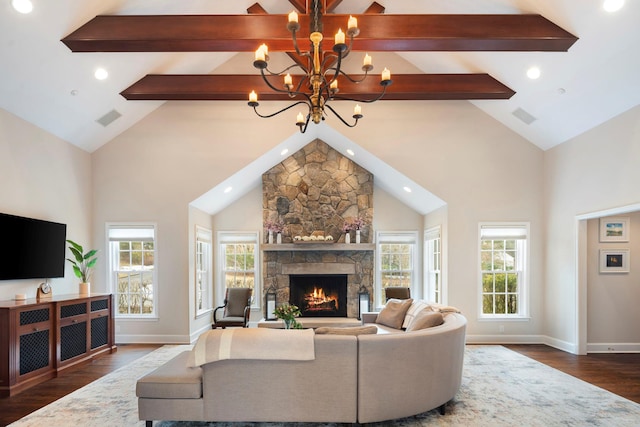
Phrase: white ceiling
(43, 82)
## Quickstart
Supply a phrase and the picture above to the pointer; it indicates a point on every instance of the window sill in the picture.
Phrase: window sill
(504, 319)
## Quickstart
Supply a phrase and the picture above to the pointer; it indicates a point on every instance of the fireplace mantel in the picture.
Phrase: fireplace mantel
(318, 247)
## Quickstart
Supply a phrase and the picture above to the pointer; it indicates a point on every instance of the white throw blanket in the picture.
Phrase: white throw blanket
(253, 343)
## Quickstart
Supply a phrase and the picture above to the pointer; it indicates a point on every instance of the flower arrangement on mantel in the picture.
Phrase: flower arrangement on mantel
(274, 226)
(288, 313)
(352, 223)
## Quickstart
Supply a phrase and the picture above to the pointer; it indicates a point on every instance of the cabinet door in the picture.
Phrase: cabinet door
(74, 330)
(34, 341)
(100, 322)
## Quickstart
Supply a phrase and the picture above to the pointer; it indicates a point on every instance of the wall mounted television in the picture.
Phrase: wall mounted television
(31, 248)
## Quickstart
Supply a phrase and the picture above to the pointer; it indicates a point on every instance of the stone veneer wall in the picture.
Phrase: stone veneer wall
(314, 191)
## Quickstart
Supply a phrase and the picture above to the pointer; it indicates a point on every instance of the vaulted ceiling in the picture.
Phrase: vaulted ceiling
(477, 50)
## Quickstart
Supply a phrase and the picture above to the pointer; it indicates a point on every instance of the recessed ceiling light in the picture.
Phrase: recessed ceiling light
(612, 5)
(101, 74)
(22, 6)
(350, 152)
(285, 151)
(228, 189)
(533, 73)
(407, 189)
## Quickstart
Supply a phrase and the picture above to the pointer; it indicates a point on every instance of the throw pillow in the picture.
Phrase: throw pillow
(392, 314)
(416, 307)
(426, 319)
(355, 330)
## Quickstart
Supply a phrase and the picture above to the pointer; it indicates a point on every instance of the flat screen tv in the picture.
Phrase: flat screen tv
(31, 248)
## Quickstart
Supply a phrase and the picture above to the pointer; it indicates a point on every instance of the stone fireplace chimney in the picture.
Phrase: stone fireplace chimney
(314, 191)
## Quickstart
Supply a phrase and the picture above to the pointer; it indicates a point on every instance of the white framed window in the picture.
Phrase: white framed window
(203, 276)
(396, 262)
(433, 265)
(132, 272)
(504, 268)
(239, 263)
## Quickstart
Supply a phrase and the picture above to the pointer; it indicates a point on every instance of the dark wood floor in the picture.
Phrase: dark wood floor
(15, 407)
(618, 373)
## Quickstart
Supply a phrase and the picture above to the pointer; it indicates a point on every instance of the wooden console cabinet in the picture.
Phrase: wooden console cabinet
(41, 338)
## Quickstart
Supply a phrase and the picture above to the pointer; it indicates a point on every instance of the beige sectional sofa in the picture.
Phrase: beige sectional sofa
(353, 378)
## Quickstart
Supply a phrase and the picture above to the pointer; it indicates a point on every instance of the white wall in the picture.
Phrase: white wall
(612, 298)
(484, 172)
(481, 169)
(595, 171)
(43, 177)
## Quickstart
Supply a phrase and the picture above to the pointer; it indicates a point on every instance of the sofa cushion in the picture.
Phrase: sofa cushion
(173, 380)
(355, 330)
(416, 307)
(425, 319)
(392, 314)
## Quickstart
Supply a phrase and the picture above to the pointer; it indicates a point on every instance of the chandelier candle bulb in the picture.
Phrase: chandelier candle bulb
(288, 81)
(339, 37)
(386, 75)
(367, 59)
(253, 96)
(260, 54)
(357, 110)
(353, 22)
(293, 17)
(300, 118)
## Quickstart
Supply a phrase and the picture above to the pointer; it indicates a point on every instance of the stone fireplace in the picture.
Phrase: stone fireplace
(313, 192)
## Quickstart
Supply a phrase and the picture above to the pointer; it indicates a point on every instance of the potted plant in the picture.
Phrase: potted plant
(82, 264)
(288, 313)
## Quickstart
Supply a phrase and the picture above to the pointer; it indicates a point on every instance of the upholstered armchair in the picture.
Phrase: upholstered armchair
(236, 309)
(397, 292)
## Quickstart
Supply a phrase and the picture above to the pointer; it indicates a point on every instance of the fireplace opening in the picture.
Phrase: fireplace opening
(319, 295)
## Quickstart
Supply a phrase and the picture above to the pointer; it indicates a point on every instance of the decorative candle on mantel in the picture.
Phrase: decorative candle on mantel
(253, 96)
(339, 37)
(367, 59)
(386, 75)
(293, 17)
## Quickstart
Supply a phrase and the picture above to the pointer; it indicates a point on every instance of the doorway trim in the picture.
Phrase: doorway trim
(581, 268)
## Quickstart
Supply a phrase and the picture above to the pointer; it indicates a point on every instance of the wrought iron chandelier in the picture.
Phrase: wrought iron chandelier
(319, 83)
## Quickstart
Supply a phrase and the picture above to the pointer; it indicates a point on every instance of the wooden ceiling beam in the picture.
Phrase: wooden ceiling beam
(214, 87)
(378, 32)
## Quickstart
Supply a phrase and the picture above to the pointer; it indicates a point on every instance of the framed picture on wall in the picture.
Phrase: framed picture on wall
(614, 229)
(614, 260)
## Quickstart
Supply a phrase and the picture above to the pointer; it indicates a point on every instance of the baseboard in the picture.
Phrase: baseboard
(505, 339)
(197, 333)
(152, 339)
(561, 345)
(614, 347)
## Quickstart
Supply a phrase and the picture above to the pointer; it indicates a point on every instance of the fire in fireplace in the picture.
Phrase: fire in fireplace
(319, 295)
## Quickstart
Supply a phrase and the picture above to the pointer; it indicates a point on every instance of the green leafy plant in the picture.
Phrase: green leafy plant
(83, 262)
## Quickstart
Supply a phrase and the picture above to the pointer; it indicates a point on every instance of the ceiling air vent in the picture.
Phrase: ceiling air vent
(524, 116)
(109, 118)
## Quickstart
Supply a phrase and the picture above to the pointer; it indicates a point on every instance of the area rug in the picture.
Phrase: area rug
(499, 388)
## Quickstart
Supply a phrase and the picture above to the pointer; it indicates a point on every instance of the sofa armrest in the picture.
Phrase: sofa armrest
(369, 317)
